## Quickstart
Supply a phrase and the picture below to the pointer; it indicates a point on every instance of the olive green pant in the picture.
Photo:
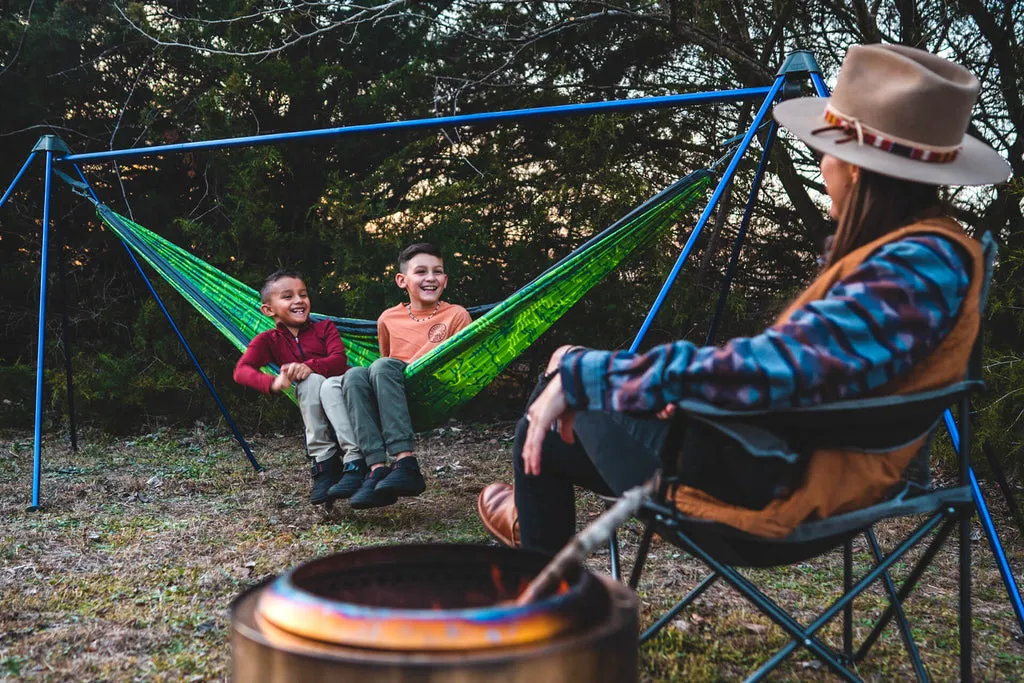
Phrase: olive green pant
(376, 413)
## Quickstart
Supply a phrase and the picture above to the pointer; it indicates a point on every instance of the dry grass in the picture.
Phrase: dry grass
(128, 571)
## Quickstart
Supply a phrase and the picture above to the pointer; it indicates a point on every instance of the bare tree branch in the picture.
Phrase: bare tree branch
(21, 40)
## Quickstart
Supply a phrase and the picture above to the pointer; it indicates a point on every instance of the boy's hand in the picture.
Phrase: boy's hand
(300, 371)
(282, 381)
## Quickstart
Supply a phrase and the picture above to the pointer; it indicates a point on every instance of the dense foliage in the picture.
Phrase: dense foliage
(503, 201)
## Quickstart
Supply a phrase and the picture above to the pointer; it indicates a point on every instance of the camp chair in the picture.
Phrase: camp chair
(873, 424)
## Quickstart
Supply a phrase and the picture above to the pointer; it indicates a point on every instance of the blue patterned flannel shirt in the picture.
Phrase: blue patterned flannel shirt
(889, 313)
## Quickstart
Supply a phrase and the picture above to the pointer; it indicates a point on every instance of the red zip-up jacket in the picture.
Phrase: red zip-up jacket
(318, 345)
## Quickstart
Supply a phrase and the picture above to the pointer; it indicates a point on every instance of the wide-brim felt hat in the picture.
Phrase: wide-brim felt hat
(901, 112)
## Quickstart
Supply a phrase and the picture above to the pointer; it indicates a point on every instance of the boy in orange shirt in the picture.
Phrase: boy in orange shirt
(374, 397)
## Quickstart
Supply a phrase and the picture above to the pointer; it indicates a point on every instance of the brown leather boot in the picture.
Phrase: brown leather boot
(496, 506)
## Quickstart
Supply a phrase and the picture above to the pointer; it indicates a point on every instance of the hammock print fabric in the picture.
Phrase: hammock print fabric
(454, 372)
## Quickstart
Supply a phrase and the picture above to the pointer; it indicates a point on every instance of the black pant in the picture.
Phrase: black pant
(612, 452)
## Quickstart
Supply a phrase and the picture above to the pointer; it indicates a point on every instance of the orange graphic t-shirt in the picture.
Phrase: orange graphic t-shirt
(407, 339)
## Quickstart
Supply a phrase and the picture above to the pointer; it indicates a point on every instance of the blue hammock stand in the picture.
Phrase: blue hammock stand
(798, 67)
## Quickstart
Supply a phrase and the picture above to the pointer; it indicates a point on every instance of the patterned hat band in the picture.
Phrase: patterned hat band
(866, 135)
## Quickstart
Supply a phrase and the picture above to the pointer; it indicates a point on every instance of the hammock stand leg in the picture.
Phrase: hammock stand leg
(734, 257)
(42, 298)
(14, 183)
(37, 460)
(727, 177)
(994, 543)
(195, 361)
(1004, 486)
(188, 350)
(66, 340)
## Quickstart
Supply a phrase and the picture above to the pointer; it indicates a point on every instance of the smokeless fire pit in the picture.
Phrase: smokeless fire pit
(432, 613)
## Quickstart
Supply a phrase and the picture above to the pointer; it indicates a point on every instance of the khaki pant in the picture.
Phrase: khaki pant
(320, 419)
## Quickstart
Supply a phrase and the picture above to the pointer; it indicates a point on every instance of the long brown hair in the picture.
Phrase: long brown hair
(876, 205)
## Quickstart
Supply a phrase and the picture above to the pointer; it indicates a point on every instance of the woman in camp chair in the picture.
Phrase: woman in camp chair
(895, 310)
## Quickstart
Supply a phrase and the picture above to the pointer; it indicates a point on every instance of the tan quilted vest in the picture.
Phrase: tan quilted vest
(838, 480)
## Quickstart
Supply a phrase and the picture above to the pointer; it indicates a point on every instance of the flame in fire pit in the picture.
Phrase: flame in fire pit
(499, 585)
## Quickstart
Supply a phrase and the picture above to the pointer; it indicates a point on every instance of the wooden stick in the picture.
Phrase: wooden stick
(582, 544)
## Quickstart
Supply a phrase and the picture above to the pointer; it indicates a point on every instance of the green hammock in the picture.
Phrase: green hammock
(454, 372)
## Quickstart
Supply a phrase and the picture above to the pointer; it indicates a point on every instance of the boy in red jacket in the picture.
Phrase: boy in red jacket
(307, 353)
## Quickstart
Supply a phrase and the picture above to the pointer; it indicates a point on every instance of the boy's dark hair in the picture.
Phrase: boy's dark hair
(414, 250)
(274, 277)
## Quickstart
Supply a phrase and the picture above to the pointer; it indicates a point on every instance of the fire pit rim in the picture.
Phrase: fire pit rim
(360, 624)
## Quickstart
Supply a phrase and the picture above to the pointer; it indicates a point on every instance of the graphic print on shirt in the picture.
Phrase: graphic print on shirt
(437, 332)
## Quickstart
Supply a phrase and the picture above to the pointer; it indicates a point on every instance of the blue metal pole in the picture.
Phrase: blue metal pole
(195, 361)
(437, 122)
(37, 460)
(819, 84)
(994, 544)
(734, 257)
(65, 332)
(10, 189)
(188, 350)
(726, 179)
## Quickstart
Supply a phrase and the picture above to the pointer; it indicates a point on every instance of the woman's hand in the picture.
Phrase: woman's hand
(549, 408)
(556, 358)
(667, 412)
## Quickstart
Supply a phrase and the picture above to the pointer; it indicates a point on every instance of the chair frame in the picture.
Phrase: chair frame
(944, 509)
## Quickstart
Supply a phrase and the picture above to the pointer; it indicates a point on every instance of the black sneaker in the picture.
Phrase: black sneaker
(351, 479)
(405, 479)
(325, 475)
(367, 496)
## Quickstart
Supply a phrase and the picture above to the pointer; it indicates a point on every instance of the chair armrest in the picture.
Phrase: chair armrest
(878, 424)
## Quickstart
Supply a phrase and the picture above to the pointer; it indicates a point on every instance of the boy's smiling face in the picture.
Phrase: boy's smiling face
(424, 279)
(288, 302)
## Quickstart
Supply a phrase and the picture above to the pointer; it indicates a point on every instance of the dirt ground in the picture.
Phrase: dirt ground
(128, 571)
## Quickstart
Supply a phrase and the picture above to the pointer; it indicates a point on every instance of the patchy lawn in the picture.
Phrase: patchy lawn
(128, 571)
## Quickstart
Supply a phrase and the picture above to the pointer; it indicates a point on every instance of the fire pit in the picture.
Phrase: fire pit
(432, 613)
